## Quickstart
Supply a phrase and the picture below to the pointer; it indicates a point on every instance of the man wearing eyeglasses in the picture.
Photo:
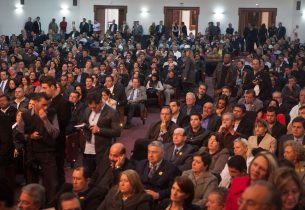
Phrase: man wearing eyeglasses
(261, 195)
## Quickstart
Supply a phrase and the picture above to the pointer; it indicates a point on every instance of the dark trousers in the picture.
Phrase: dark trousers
(131, 109)
(43, 164)
(140, 149)
(90, 162)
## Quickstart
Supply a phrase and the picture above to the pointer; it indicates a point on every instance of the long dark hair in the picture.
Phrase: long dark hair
(186, 185)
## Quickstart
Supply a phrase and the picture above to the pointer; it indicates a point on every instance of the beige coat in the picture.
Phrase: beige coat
(268, 143)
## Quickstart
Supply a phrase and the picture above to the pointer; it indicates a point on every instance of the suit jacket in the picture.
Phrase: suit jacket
(37, 27)
(83, 78)
(183, 120)
(199, 138)
(23, 104)
(83, 27)
(109, 124)
(162, 29)
(183, 160)
(6, 87)
(76, 34)
(278, 130)
(214, 123)
(268, 143)
(282, 141)
(203, 186)
(119, 95)
(230, 78)
(141, 95)
(255, 106)
(194, 110)
(154, 131)
(188, 73)
(162, 179)
(246, 125)
(105, 176)
(7, 119)
(113, 27)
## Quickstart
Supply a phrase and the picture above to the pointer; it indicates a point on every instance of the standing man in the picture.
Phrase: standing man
(113, 27)
(103, 125)
(160, 29)
(63, 26)
(37, 26)
(83, 26)
(28, 27)
(63, 109)
(224, 74)
(281, 31)
(40, 129)
(137, 31)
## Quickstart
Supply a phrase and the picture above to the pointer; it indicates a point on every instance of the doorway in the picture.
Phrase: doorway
(105, 14)
(256, 17)
(188, 15)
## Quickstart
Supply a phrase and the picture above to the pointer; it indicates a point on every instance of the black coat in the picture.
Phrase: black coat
(162, 180)
(114, 201)
(6, 142)
(119, 95)
(183, 160)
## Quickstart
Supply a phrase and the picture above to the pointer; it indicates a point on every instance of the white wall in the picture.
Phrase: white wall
(12, 19)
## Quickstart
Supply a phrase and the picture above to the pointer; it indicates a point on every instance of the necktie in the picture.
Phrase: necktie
(1, 86)
(132, 94)
(152, 171)
(174, 154)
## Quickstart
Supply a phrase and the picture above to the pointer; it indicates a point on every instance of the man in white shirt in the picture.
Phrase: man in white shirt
(295, 110)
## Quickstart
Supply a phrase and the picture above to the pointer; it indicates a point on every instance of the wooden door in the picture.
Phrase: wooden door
(99, 15)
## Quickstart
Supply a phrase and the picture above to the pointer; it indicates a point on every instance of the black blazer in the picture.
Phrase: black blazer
(214, 123)
(154, 131)
(278, 130)
(246, 125)
(162, 180)
(194, 110)
(109, 124)
(83, 78)
(183, 160)
(119, 95)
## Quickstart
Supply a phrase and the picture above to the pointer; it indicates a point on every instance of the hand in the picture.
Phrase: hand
(120, 161)
(42, 114)
(163, 127)
(222, 128)
(94, 129)
(16, 153)
(153, 194)
(35, 135)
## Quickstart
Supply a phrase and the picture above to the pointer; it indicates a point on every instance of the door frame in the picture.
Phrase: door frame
(240, 10)
(181, 8)
(119, 7)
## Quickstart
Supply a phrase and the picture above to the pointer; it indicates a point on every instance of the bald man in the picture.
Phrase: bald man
(108, 171)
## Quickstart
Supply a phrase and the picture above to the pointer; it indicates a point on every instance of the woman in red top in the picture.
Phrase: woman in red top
(261, 167)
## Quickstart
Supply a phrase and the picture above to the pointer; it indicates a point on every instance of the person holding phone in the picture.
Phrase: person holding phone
(38, 128)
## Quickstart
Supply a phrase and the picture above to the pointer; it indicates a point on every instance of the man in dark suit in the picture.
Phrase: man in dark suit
(37, 26)
(113, 27)
(74, 33)
(298, 132)
(195, 134)
(281, 31)
(243, 123)
(7, 119)
(276, 128)
(79, 76)
(160, 29)
(103, 122)
(159, 131)
(77, 109)
(202, 97)
(83, 26)
(177, 117)
(108, 171)
(63, 110)
(210, 120)
(3, 82)
(178, 152)
(157, 174)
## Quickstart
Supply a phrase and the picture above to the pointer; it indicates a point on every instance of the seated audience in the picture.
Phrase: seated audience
(217, 199)
(177, 117)
(251, 102)
(261, 168)
(295, 110)
(106, 96)
(190, 107)
(243, 124)
(262, 138)
(178, 152)
(129, 194)
(203, 180)
(222, 105)
(218, 152)
(260, 195)
(202, 97)
(290, 188)
(32, 196)
(157, 174)
(276, 129)
(210, 120)
(68, 201)
(154, 87)
(182, 195)
(196, 135)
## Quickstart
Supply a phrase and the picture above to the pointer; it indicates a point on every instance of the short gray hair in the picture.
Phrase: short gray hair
(37, 192)
(243, 141)
(157, 144)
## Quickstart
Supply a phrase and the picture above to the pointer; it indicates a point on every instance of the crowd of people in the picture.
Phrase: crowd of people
(240, 148)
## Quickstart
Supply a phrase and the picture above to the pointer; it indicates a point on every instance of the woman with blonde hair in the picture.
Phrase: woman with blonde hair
(290, 188)
(129, 194)
(294, 152)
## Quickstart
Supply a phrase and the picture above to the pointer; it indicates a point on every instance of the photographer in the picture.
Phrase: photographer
(39, 127)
